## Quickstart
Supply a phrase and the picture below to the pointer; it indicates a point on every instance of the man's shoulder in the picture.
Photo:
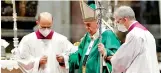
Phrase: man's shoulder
(108, 33)
(30, 35)
(58, 35)
(136, 32)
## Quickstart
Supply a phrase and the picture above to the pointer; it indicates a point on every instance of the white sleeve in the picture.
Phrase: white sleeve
(67, 47)
(26, 62)
(126, 54)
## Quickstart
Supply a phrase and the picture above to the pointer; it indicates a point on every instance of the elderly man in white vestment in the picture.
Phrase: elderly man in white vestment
(38, 50)
(138, 53)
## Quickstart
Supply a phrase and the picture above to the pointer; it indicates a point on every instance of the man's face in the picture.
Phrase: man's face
(44, 23)
(119, 20)
(120, 23)
(91, 27)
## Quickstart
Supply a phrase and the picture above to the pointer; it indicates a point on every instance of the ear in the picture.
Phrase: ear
(37, 22)
(126, 19)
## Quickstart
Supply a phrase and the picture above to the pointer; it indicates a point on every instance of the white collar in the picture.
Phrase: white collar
(96, 35)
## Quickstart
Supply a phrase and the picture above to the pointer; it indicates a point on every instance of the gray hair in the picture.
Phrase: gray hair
(125, 11)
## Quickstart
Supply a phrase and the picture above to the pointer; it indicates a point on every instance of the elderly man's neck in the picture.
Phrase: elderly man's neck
(129, 23)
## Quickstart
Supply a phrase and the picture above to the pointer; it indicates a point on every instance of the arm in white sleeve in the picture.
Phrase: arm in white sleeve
(26, 61)
(127, 52)
(67, 47)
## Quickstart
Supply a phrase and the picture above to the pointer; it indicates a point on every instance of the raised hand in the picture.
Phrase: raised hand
(101, 48)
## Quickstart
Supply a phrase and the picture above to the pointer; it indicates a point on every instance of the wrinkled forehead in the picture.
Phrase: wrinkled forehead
(90, 22)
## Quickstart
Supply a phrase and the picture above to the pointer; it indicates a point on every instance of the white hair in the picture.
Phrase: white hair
(125, 11)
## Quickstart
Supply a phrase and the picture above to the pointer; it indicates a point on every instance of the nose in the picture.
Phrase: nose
(46, 28)
(87, 28)
(115, 22)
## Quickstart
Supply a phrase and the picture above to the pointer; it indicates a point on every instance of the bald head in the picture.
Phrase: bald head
(45, 20)
(45, 15)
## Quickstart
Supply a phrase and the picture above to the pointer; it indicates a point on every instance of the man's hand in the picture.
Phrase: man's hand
(108, 58)
(101, 48)
(60, 59)
(43, 60)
